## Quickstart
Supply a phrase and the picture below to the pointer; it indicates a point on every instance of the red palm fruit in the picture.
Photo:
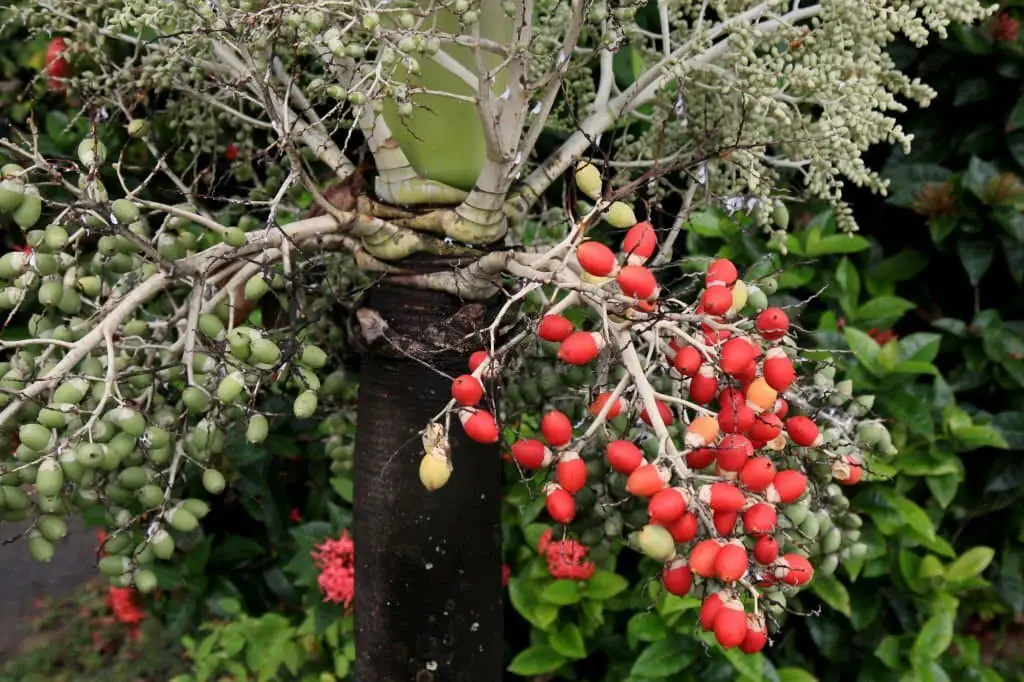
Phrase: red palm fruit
(580, 348)
(531, 453)
(772, 323)
(716, 300)
(766, 549)
(645, 481)
(698, 458)
(724, 522)
(702, 557)
(731, 624)
(722, 497)
(756, 637)
(731, 562)
(794, 569)
(747, 374)
(731, 395)
(623, 456)
(789, 485)
(666, 506)
(554, 328)
(722, 271)
(57, 66)
(560, 504)
(733, 452)
(640, 242)
(736, 354)
(556, 428)
(766, 426)
(703, 386)
(759, 519)
(803, 431)
(477, 359)
(596, 258)
(778, 370)
(709, 609)
(713, 336)
(571, 472)
(467, 390)
(677, 577)
(848, 471)
(479, 426)
(703, 430)
(687, 360)
(663, 411)
(757, 474)
(636, 281)
(684, 528)
(734, 418)
(599, 402)
(781, 408)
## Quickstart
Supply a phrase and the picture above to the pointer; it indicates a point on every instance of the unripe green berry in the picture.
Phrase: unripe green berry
(39, 548)
(182, 520)
(257, 430)
(213, 481)
(51, 527)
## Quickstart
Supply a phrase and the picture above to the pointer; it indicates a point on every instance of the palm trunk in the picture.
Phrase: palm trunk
(428, 603)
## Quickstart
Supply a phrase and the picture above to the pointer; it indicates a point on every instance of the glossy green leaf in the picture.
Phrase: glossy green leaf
(568, 642)
(605, 585)
(536, 660)
(663, 658)
(864, 348)
(970, 564)
(832, 592)
(562, 593)
(934, 638)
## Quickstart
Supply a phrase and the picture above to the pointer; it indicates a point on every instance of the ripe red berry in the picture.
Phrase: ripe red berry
(724, 522)
(731, 562)
(722, 497)
(772, 323)
(731, 395)
(623, 456)
(803, 431)
(736, 355)
(663, 411)
(467, 390)
(794, 569)
(687, 360)
(766, 426)
(781, 408)
(599, 402)
(645, 481)
(756, 637)
(231, 152)
(666, 506)
(713, 336)
(596, 258)
(709, 609)
(677, 577)
(757, 474)
(731, 624)
(766, 549)
(580, 348)
(736, 418)
(733, 452)
(716, 300)
(759, 519)
(57, 66)
(571, 473)
(640, 242)
(560, 505)
(480, 426)
(702, 557)
(790, 484)
(531, 454)
(684, 528)
(747, 374)
(703, 386)
(636, 281)
(698, 458)
(477, 359)
(557, 428)
(554, 328)
(778, 370)
(722, 270)
(848, 472)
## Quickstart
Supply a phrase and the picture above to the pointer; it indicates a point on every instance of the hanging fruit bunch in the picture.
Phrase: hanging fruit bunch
(730, 460)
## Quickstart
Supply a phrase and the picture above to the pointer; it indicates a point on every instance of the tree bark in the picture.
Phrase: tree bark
(428, 605)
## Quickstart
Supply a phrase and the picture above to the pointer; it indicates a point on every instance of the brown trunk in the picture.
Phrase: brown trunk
(428, 564)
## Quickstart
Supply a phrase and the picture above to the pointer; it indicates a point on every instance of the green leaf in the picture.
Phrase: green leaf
(943, 487)
(912, 367)
(705, 224)
(836, 243)
(920, 347)
(569, 642)
(978, 176)
(562, 593)
(605, 585)
(912, 514)
(832, 592)
(884, 308)
(934, 638)
(646, 627)
(1016, 118)
(907, 179)
(976, 256)
(849, 284)
(888, 652)
(749, 666)
(536, 660)
(979, 436)
(974, 89)
(344, 487)
(970, 564)
(795, 675)
(900, 267)
(663, 658)
(888, 357)
(864, 348)
(523, 595)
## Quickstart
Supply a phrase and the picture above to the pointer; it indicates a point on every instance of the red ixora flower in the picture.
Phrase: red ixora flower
(1005, 27)
(295, 516)
(565, 558)
(123, 601)
(335, 559)
(883, 337)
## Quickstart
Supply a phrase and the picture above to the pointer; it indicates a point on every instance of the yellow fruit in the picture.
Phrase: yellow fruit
(435, 470)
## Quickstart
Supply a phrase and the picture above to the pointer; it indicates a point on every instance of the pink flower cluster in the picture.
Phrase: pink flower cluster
(565, 558)
(335, 559)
